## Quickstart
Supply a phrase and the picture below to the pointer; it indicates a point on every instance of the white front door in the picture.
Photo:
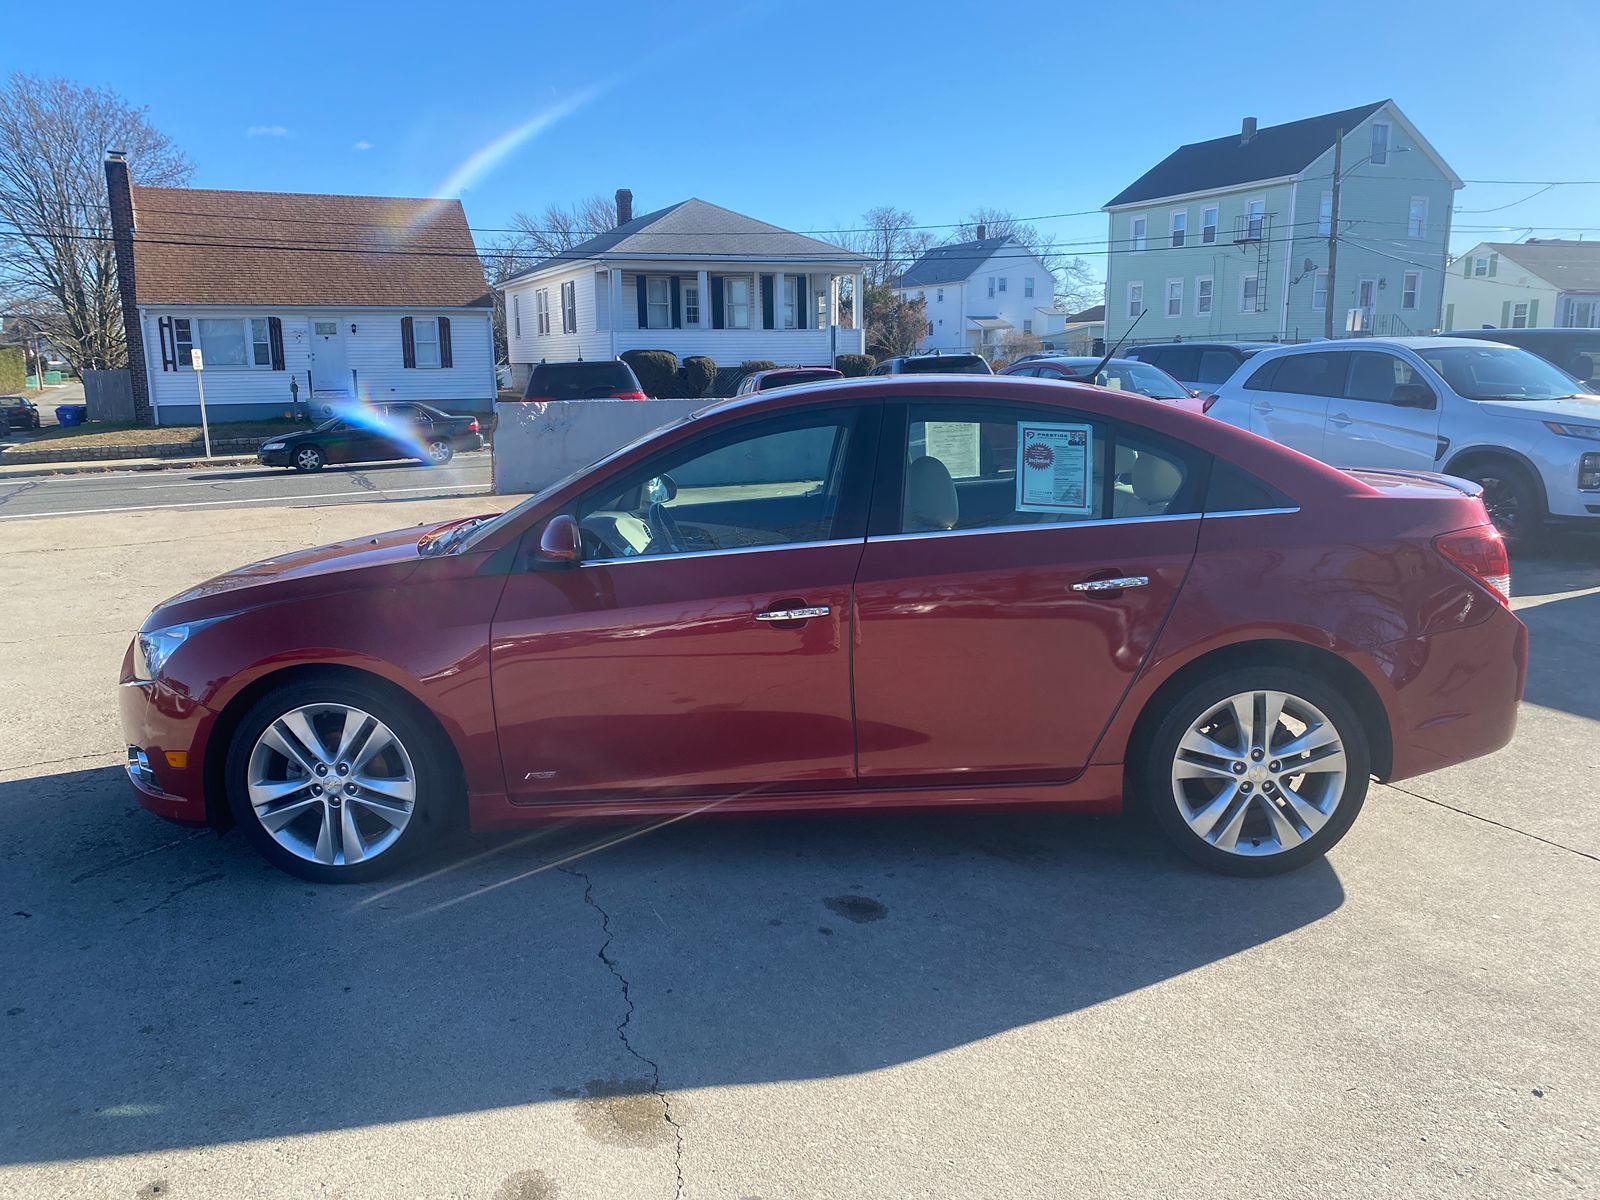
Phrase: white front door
(328, 370)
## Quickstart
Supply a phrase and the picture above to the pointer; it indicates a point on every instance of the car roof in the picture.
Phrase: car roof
(1083, 360)
(767, 374)
(1370, 343)
(1505, 335)
(1207, 346)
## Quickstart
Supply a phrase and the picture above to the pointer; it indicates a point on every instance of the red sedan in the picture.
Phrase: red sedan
(908, 593)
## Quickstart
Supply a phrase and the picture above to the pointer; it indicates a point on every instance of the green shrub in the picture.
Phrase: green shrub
(750, 366)
(13, 370)
(657, 370)
(698, 374)
(854, 364)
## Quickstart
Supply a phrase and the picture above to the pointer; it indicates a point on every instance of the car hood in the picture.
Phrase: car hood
(383, 560)
(1584, 410)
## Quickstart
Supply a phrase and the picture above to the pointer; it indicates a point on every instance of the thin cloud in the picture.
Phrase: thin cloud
(266, 131)
(362, 145)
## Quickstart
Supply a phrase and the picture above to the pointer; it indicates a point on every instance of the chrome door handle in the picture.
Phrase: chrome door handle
(1112, 585)
(1263, 407)
(1340, 419)
(793, 614)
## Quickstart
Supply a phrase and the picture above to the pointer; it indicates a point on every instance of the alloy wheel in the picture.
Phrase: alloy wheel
(439, 452)
(331, 784)
(1502, 503)
(308, 459)
(1259, 773)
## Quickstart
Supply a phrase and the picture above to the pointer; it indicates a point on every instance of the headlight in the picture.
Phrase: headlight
(273, 446)
(1578, 431)
(153, 647)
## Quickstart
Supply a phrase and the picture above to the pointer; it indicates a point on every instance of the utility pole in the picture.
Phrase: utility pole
(1333, 235)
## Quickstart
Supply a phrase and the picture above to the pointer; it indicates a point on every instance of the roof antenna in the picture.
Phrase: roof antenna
(1112, 353)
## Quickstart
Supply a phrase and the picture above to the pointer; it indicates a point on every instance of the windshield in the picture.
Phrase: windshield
(1142, 378)
(330, 423)
(579, 380)
(795, 377)
(947, 364)
(1500, 373)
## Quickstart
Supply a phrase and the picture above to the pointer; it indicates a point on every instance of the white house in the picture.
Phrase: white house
(290, 298)
(1522, 285)
(977, 292)
(691, 278)
(1081, 334)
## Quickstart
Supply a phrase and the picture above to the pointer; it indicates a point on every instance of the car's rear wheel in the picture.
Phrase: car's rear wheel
(1513, 499)
(1256, 770)
(308, 458)
(439, 453)
(336, 781)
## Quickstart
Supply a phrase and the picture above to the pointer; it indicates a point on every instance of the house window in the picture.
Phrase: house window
(1202, 295)
(1180, 227)
(691, 305)
(1256, 219)
(1027, 285)
(1480, 267)
(1002, 283)
(938, 295)
(736, 303)
(1208, 225)
(1417, 220)
(1174, 297)
(1027, 325)
(1380, 143)
(1325, 216)
(1519, 315)
(1408, 289)
(425, 336)
(541, 308)
(224, 341)
(1140, 225)
(657, 303)
(1583, 314)
(569, 307)
(260, 343)
(1135, 299)
(1248, 294)
(516, 313)
(1319, 291)
(991, 287)
(183, 341)
(791, 301)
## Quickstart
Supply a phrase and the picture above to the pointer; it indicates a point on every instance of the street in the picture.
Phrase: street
(232, 487)
(856, 1006)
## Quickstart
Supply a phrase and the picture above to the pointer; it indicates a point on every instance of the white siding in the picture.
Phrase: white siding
(590, 341)
(970, 298)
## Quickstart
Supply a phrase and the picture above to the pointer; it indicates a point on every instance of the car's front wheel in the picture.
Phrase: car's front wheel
(308, 458)
(1256, 770)
(336, 781)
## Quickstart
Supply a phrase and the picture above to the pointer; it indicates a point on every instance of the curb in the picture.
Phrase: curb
(31, 470)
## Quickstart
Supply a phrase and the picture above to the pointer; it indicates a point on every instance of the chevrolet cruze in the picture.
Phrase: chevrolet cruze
(918, 593)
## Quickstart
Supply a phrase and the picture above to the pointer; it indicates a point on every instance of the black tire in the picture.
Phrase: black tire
(1152, 773)
(1514, 499)
(437, 788)
(440, 452)
(307, 458)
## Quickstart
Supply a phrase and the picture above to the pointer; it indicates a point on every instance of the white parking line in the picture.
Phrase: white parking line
(88, 512)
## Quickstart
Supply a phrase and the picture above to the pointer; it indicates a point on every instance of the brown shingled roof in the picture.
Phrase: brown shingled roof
(200, 246)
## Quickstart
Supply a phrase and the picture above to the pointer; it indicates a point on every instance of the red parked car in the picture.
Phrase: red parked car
(911, 593)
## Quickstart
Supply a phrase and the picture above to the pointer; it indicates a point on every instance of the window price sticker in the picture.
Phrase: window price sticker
(1053, 468)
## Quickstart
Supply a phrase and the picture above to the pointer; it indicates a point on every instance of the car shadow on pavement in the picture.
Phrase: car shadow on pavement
(165, 988)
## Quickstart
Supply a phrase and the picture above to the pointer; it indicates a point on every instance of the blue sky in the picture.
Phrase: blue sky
(808, 114)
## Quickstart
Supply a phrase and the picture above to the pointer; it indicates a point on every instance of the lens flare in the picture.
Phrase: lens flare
(362, 413)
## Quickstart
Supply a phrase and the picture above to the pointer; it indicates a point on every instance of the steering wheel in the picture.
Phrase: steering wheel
(664, 528)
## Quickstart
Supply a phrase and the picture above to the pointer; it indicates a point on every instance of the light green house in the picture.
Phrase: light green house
(1229, 239)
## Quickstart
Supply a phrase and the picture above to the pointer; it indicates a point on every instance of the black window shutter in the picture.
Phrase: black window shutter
(677, 303)
(444, 342)
(275, 341)
(716, 302)
(169, 345)
(640, 289)
(800, 306)
(766, 302)
(408, 344)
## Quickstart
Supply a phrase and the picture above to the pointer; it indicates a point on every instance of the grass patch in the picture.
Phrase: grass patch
(118, 433)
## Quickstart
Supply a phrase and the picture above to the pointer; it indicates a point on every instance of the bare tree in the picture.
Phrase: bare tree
(890, 238)
(1075, 284)
(57, 262)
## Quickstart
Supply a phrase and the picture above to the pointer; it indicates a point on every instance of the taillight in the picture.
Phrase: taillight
(1479, 552)
(627, 395)
(472, 425)
(1207, 401)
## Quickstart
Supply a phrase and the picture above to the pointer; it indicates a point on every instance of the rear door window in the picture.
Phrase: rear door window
(1179, 362)
(1216, 366)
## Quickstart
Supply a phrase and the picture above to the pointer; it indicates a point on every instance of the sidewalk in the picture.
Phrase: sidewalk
(96, 466)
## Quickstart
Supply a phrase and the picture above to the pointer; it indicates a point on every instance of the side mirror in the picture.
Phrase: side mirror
(1411, 395)
(661, 490)
(1195, 393)
(560, 544)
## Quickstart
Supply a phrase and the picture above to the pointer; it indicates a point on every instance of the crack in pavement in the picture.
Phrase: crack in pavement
(1491, 821)
(622, 1028)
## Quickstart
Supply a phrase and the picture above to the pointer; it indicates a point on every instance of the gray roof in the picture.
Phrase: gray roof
(950, 264)
(1088, 315)
(1274, 152)
(695, 229)
(1564, 263)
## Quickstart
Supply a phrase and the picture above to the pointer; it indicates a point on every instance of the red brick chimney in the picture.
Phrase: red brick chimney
(119, 199)
(624, 206)
(983, 231)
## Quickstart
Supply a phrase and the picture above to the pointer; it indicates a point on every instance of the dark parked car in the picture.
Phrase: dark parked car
(18, 412)
(1200, 365)
(1118, 374)
(377, 433)
(934, 364)
(869, 596)
(602, 379)
(765, 381)
(1575, 351)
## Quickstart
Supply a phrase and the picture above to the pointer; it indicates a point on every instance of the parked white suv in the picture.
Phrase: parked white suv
(1524, 429)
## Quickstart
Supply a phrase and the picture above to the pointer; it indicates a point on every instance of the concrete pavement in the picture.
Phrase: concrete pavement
(850, 1007)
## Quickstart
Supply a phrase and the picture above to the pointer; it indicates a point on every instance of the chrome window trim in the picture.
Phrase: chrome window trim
(634, 558)
(1256, 512)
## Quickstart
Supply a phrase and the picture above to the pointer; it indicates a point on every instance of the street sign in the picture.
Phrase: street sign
(195, 361)
(199, 363)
